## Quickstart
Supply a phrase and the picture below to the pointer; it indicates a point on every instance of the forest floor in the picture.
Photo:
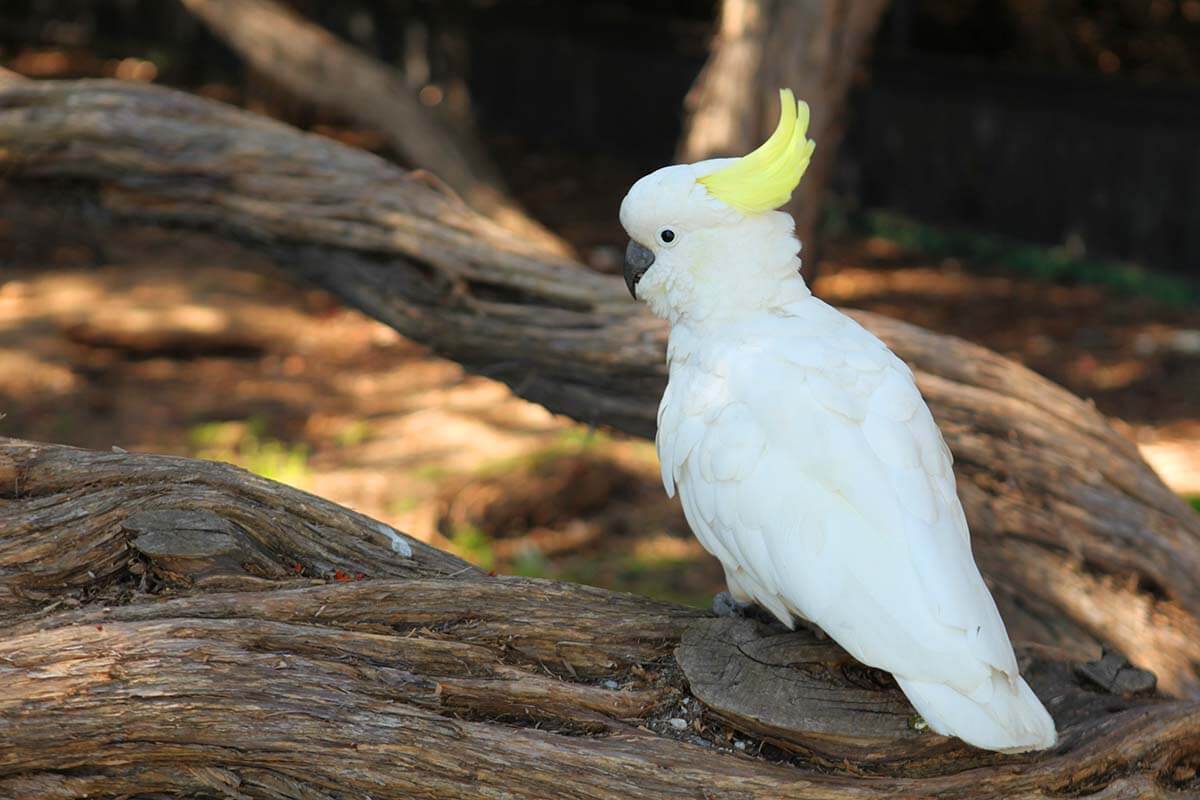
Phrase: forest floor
(167, 343)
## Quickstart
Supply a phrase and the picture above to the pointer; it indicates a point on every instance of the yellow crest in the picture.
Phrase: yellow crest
(764, 180)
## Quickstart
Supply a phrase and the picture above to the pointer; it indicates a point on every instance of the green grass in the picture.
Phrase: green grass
(474, 545)
(1194, 500)
(1056, 264)
(433, 473)
(402, 504)
(649, 576)
(572, 441)
(245, 443)
(658, 577)
(353, 434)
(531, 563)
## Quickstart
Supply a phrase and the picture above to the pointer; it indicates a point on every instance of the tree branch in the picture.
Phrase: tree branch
(329, 73)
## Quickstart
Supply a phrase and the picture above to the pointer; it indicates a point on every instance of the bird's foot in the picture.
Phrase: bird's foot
(723, 605)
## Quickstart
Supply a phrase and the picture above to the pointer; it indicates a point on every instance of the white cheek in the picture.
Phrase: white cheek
(654, 284)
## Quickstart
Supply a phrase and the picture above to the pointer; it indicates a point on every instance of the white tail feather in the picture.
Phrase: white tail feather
(1011, 720)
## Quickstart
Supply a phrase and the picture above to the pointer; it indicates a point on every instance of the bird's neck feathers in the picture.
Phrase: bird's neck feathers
(734, 273)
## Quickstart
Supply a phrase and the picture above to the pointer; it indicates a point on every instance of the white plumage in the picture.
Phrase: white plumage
(808, 463)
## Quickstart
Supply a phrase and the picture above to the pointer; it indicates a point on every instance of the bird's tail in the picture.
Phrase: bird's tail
(1008, 718)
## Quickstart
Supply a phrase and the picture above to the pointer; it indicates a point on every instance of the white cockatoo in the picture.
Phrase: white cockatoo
(805, 457)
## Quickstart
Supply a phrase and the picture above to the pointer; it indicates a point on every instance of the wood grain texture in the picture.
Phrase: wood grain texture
(1082, 544)
(89, 520)
(806, 695)
(426, 679)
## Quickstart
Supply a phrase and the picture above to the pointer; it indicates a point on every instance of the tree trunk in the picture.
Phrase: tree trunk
(811, 46)
(183, 628)
(1081, 543)
(322, 69)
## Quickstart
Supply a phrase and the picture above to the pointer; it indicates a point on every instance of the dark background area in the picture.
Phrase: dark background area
(1072, 122)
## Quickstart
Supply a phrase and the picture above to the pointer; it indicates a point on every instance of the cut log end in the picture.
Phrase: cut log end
(809, 698)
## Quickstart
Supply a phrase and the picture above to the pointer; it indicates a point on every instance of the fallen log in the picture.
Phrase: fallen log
(1081, 543)
(246, 678)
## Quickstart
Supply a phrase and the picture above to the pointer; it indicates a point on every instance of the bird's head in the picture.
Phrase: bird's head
(705, 237)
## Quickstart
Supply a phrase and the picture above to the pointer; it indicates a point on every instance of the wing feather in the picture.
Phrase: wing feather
(808, 462)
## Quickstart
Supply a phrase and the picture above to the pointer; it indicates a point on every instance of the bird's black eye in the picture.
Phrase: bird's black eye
(666, 236)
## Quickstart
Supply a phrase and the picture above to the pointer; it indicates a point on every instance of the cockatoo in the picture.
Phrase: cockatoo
(805, 457)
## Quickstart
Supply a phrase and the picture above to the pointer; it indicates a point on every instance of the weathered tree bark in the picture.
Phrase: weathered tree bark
(322, 69)
(1082, 544)
(811, 46)
(177, 627)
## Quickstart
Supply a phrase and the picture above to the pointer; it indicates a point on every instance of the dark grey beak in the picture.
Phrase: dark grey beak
(637, 260)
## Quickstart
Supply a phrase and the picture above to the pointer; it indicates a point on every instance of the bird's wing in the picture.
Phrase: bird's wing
(807, 460)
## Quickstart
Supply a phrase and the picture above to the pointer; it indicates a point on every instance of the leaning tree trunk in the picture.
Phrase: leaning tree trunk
(811, 46)
(328, 72)
(1081, 543)
(183, 628)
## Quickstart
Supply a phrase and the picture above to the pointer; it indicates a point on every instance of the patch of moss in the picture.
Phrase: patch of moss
(245, 443)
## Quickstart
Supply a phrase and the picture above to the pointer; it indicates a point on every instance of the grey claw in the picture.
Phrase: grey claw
(723, 605)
